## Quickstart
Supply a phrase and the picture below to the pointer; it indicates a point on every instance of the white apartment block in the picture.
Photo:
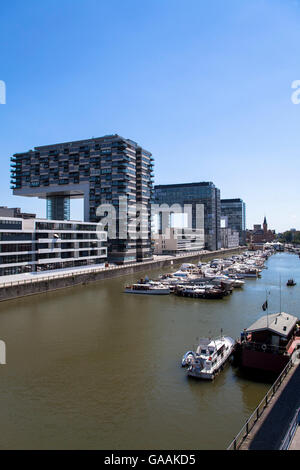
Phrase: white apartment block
(178, 240)
(34, 245)
(229, 238)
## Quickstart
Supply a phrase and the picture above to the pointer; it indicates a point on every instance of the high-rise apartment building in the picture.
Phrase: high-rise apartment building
(101, 171)
(192, 194)
(235, 212)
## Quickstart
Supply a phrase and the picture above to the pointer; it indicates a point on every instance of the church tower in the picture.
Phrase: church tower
(265, 226)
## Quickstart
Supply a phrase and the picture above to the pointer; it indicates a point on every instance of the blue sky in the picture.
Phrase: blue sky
(205, 85)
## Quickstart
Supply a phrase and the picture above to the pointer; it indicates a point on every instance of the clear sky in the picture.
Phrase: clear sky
(205, 85)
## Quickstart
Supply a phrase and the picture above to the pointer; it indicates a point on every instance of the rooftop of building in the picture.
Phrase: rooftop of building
(16, 211)
(279, 323)
(82, 142)
(50, 221)
(184, 185)
(231, 200)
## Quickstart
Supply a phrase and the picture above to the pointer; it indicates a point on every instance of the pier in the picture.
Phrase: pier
(274, 424)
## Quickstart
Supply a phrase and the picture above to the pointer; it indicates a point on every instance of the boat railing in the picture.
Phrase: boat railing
(248, 426)
(254, 346)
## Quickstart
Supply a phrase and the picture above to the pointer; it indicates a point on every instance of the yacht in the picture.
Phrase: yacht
(210, 357)
(237, 283)
(147, 288)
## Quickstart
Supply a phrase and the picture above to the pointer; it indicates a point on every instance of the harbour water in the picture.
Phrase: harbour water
(93, 368)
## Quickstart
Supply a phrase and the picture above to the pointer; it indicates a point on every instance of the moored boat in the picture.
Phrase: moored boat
(269, 343)
(147, 288)
(210, 357)
(200, 291)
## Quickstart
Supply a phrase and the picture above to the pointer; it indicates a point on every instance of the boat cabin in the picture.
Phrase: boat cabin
(140, 286)
(209, 347)
(273, 332)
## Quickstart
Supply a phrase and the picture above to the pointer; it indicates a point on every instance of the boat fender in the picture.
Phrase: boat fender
(264, 347)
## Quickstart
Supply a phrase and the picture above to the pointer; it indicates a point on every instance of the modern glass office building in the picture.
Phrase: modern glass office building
(99, 170)
(195, 193)
(235, 212)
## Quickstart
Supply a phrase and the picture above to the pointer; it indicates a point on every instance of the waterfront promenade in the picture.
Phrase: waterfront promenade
(276, 413)
(54, 273)
(295, 444)
(20, 285)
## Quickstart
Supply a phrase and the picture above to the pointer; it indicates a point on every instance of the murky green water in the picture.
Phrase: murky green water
(93, 368)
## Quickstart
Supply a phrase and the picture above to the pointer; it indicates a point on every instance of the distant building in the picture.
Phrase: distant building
(196, 193)
(176, 240)
(229, 238)
(260, 234)
(15, 212)
(34, 245)
(235, 211)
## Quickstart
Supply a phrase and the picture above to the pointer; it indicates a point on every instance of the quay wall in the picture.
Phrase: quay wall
(271, 429)
(39, 285)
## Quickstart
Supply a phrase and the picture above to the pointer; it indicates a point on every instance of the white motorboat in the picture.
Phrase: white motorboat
(210, 357)
(147, 288)
(250, 273)
(237, 283)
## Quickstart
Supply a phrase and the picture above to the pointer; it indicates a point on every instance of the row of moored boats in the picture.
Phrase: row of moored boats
(212, 280)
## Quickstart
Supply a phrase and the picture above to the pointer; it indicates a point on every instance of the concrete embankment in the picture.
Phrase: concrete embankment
(40, 284)
(271, 428)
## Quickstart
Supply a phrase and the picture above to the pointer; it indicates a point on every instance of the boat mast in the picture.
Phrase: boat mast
(280, 292)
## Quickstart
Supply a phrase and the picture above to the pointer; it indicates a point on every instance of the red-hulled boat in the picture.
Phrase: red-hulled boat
(269, 343)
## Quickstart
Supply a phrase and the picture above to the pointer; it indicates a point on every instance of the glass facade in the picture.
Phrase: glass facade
(235, 212)
(58, 208)
(196, 193)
